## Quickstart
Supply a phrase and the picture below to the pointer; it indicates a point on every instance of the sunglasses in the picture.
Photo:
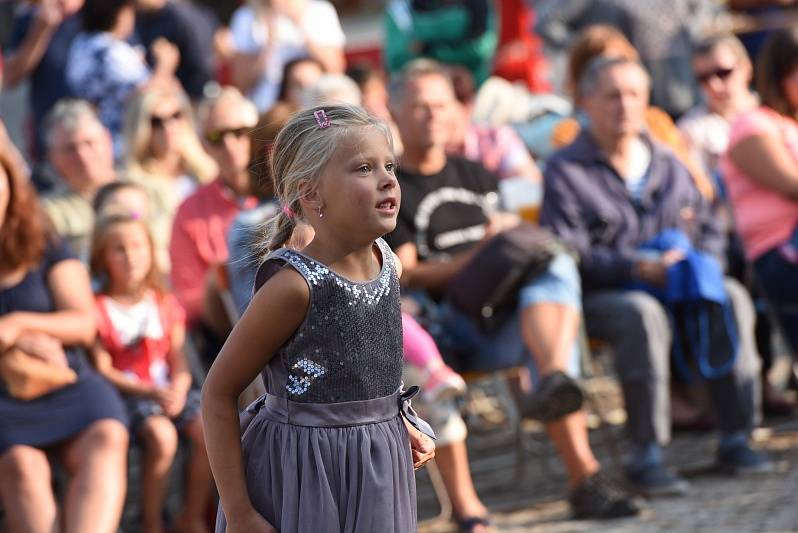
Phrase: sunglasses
(158, 122)
(217, 137)
(721, 73)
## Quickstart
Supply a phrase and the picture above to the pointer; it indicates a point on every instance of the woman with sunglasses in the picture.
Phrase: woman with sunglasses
(723, 71)
(760, 170)
(165, 156)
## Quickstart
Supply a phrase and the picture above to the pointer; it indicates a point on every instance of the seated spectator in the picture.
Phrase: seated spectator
(373, 90)
(434, 245)
(498, 148)
(723, 71)
(332, 89)
(37, 51)
(267, 34)
(78, 421)
(199, 234)
(374, 97)
(140, 351)
(105, 70)
(760, 170)
(298, 75)
(607, 194)
(246, 229)
(187, 26)
(454, 33)
(607, 41)
(165, 156)
(80, 151)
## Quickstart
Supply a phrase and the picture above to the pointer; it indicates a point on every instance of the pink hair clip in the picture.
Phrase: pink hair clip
(322, 119)
(287, 211)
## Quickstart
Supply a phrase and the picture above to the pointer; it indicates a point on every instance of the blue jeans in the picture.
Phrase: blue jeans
(777, 272)
(457, 334)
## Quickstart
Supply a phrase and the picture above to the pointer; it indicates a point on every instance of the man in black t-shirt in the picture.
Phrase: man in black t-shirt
(449, 206)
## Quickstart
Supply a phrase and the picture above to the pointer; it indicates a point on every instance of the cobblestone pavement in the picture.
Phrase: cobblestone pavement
(530, 495)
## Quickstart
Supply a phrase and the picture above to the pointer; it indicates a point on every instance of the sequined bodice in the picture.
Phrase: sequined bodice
(349, 346)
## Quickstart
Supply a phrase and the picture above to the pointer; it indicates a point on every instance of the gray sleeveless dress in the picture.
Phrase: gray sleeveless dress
(326, 450)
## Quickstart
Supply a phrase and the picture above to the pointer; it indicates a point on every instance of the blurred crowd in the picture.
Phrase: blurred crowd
(657, 142)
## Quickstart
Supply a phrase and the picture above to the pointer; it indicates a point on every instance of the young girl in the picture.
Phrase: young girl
(140, 350)
(333, 444)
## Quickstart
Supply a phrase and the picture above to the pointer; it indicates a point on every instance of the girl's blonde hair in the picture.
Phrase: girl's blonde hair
(99, 243)
(301, 151)
(138, 133)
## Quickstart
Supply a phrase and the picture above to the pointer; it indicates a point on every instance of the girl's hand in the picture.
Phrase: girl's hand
(252, 522)
(172, 401)
(422, 447)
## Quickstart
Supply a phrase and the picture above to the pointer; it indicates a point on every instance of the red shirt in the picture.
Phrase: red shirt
(141, 357)
(199, 241)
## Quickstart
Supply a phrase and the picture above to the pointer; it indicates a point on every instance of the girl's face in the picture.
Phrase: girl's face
(5, 195)
(167, 122)
(358, 187)
(128, 256)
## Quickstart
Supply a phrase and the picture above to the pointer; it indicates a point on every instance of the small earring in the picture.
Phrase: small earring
(321, 215)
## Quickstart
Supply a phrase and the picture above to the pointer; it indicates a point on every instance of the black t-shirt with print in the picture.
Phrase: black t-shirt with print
(444, 214)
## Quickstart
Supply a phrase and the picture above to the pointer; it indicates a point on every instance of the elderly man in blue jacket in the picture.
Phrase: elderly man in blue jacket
(610, 192)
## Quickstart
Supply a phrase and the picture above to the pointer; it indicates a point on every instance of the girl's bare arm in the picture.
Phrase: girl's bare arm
(275, 312)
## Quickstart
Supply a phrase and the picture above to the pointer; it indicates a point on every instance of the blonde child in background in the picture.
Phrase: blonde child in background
(140, 350)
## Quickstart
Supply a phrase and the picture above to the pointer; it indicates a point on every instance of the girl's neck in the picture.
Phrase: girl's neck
(169, 165)
(353, 261)
(127, 294)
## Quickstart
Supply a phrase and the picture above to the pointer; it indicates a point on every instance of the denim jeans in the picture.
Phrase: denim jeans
(777, 273)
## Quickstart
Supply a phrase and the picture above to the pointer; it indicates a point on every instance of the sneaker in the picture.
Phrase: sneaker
(741, 460)
(598, 497)
(656, 481)
(555, 396)
(443, 383)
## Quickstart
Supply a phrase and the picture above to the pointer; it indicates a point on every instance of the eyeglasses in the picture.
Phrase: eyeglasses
(217, 137)
(159, 122)
(720, 73)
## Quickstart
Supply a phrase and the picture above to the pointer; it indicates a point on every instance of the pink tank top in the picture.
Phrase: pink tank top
(764, 218)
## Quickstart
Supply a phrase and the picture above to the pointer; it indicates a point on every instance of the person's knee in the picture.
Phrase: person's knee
(23, 465)
(159, 437)
(645, 334)
(108, 436)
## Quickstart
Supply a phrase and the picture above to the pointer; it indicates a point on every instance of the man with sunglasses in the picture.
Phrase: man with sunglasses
(723, 71)
(199, 231)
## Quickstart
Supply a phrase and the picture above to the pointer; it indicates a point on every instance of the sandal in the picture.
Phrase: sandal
(469, 524)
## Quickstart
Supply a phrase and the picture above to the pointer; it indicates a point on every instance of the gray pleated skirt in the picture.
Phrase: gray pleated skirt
(326, 468)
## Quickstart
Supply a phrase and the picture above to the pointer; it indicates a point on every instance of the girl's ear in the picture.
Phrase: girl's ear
(310, 198)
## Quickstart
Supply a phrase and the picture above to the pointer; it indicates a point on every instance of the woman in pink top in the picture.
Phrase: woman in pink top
(761, 173)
